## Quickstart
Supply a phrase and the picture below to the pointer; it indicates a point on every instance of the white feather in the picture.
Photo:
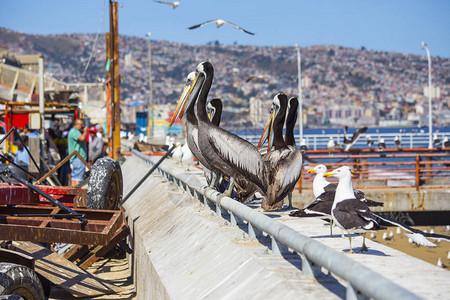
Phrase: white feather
(420, 239)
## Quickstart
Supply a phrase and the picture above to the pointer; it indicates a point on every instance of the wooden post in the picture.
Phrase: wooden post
(417, 172)
(114, 78)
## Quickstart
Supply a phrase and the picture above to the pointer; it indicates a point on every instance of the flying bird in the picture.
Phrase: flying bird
(263, 77)
(350, 142)
(220, 22)
(174, 4)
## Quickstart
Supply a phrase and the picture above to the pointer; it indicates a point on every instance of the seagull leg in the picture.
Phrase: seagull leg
(230, 187)
(364, 247)
(350, 239)
(331, 227)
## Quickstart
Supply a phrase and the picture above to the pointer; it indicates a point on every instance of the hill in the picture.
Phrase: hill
(375, 85)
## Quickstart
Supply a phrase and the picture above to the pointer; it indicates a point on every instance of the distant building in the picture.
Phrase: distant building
(128, 60)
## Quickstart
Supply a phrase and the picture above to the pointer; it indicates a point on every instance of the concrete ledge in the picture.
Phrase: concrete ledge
(184, 251)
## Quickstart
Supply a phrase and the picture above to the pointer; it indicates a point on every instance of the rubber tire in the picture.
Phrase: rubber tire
(20, 280)
(105, 185)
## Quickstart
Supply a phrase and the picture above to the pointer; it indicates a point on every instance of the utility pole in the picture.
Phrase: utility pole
(41, 98)
(114, 76)
(430, 106)
(150, 126)
(300, 100)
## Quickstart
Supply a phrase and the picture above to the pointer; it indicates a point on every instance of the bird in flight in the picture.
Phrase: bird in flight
(174, 4)
(220, 22)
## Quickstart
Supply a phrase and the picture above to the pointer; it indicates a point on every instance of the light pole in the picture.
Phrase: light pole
(150, 107)
(300, 101)
(430, 121)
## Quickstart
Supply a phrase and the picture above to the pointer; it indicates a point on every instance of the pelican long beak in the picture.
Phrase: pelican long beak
(182, 102)
(265, 134)
(270, 143)
(328, 174)
(311, 171)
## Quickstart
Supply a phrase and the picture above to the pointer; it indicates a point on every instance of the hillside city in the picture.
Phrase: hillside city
(340, 86)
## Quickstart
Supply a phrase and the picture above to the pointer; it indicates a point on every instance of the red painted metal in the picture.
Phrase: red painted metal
(20, 194)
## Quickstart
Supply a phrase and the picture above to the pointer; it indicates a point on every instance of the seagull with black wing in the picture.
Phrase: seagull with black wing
(219, 23)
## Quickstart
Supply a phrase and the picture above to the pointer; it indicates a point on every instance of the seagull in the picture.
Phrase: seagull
(416, 235)
(174, 4)
(350, 142)
(446, 142)
(398, 143)
(381, 145)
(303, 147)
(331, 145)
(437, 142)
(220, 22)
(324, 193)
(370, 142)
(349, 213)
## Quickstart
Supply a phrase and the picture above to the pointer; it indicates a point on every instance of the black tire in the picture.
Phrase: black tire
(105, 186)
(20, 280)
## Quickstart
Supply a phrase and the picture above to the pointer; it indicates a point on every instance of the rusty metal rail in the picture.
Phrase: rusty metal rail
(382, 170)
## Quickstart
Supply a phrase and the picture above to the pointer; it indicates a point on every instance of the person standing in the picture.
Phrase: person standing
(77, 141)
(95, 145)
(21, 152)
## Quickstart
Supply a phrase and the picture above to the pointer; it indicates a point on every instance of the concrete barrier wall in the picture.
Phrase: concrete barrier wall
(184, 251)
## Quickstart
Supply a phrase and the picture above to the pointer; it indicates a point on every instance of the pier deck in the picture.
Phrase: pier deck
(183, 250)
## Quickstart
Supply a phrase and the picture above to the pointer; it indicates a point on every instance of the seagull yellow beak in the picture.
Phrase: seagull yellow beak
(353, 172)
(311, 171)
(328, 174)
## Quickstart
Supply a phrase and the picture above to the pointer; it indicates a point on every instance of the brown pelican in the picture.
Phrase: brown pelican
(283, 165)
(291, 119)
(174, 4)
(186, 106)
(349, 213)
(225, 152)
(220, 22)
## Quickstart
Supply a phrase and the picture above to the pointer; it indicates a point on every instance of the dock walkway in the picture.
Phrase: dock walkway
(183, 250)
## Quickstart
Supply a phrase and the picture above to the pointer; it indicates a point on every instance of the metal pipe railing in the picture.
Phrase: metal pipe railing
(360, 279)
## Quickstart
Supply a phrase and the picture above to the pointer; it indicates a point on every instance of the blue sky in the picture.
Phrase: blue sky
(386, 25)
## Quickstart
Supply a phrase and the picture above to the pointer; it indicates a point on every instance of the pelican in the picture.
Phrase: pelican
(187, 107)
(291, 119)
(174, 4)
(349, 213)
(283, 165)
(219, 23)
(324, 193)
(225, 152)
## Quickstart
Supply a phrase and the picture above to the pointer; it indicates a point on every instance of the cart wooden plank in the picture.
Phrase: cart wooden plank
(66, 274)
